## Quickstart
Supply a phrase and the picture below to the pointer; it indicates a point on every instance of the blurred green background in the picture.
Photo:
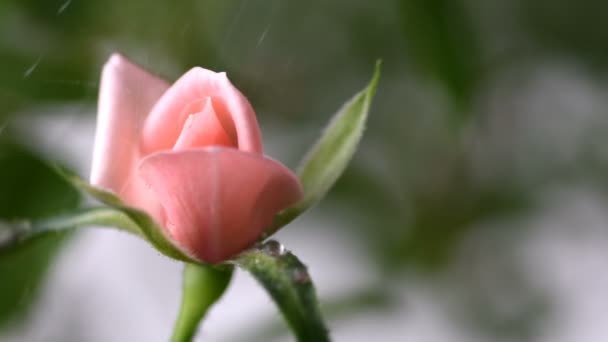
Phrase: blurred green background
(490, 118)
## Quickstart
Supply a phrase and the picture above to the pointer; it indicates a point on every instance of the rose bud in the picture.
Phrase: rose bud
(190, 155)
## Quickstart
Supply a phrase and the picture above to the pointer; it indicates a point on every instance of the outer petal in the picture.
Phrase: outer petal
(218, 201)
(126, 95)
(163, 126)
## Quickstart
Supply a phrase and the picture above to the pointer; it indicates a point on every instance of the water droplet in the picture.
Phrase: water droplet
(273, 248)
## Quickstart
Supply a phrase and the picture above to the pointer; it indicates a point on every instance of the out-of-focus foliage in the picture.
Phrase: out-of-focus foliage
(30, 189)
(483, 105)
(443, 41)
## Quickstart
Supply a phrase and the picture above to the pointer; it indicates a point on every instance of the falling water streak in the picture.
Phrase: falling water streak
(273, 13)
(263, 36)
(31, 69)
(260, 73)
(63, 7)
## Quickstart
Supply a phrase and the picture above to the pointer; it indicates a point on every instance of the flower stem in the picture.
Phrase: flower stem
(203, 285)
(287, 281)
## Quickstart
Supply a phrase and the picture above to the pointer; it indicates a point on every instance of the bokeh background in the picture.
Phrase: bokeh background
(475, 209)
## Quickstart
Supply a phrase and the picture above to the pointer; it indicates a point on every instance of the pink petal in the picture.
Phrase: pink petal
(126, 95)
(136, 193)
(218, 201)
(203, 129)
(164, 125)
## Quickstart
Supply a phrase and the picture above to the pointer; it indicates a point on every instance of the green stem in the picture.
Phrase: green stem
(287, 281)
(203, 285)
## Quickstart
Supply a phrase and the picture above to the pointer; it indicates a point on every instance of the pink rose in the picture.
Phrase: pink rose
(190, 155)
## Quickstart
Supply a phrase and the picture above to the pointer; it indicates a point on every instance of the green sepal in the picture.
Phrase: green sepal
(145, 225)
(331, 154)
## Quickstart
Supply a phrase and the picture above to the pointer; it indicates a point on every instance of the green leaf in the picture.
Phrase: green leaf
(23, 271)
(203, 286)
(28, 247)
(147, 227)
(332, 153)
(287, 281)
(15, 234)
(30, 189)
